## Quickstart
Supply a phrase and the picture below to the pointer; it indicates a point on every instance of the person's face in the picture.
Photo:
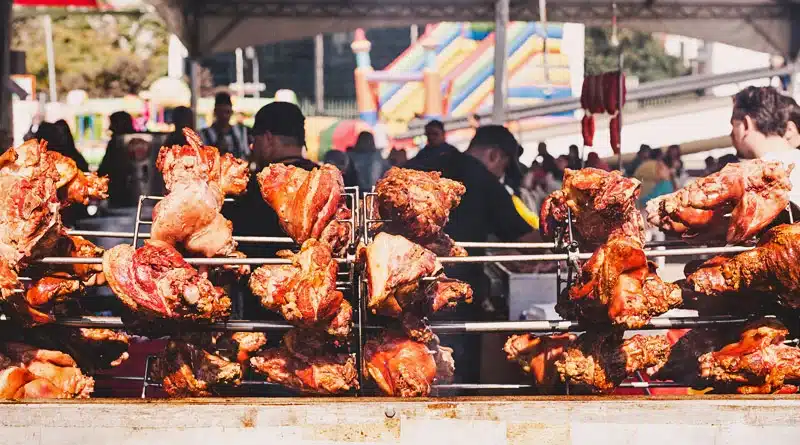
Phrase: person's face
(744, 136)
(573, 151)
(561, 163)
(674, 152)
(435, 135)
(792, 135)
(542, 149)
(495, 160)
(223, 113)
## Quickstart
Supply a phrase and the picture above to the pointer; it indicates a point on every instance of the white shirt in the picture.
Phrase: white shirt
(788, 157)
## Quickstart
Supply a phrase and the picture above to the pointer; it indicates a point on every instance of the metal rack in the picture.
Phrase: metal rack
(361, 223)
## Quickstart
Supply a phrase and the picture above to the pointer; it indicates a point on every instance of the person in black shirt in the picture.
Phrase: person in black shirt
(435, 134)
(486, 208)
(548, 162)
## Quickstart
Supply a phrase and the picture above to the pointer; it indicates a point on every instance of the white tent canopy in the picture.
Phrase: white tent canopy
(209, 26)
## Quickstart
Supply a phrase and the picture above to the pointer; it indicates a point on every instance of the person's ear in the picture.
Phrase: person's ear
(748, 123)
(791, 129)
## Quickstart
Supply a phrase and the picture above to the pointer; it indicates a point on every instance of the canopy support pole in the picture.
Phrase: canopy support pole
(500, 59)
(5, 66)
(194, 64)
(319, 74)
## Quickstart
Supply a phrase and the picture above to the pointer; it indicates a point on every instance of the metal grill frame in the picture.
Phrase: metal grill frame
(352, 278)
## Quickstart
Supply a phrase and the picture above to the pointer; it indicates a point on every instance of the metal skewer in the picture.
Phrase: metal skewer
(129, 235)
(541, 326)
(192, 261)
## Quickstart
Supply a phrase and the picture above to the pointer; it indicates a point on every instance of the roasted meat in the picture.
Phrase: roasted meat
(771, 267)
(753, 192)
(29, 220)
(592, 363)
(682, 364)
(75, 186)
(417, 205)
(537, 356)
(304, 292)
(396, 268)
(402, 367)
(187, 370)
(308, 362)
(92, 349)
(759, 363)
(602, 205)
(54, 284)
(197, 179)
(308, 203)
(598, 363)
(233, 346)
(619, 286)
(404, 281)
(155, 281)
(30, 372)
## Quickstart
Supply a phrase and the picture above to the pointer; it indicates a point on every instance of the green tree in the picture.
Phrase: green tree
(106, 55)
(644, 56)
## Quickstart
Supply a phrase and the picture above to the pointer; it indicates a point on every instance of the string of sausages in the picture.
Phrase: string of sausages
(601, 94)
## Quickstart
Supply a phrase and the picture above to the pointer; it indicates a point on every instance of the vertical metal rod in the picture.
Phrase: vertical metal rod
(51, 57)
(543, 20)
(319, 73)
(361, 320)
(256, 73)
(500, 61)
(414, 33)
(239, 72)
(145, 381)
(621, 90)
(138, 222)
(5, 67)
(194, 88)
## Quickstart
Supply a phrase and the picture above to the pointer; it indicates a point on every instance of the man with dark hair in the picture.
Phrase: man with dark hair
(437, 145)
(758, 122)
(278, 137)
(227, 138)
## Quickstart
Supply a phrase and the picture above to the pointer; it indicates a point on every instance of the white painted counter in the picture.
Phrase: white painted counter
(524, 420)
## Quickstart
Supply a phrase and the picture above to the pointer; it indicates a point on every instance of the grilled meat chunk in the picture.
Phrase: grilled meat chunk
(197, 179)
(771, 268)
(308, 203)
(187, 370)
(619, 286)
(304, 292)
(602, 205)
(753, 192)
(417, 205)
(155, 281)
(308, 362)
(402, 367)
(30, 372)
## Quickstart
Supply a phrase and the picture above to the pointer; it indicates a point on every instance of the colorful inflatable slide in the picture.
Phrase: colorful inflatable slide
(462, 58)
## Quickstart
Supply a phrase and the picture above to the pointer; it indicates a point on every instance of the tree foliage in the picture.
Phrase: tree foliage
(644, 56)
(106, 55)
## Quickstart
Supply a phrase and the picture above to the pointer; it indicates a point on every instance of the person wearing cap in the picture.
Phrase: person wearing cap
(278, 137)
(487, 207)
(227, 138)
